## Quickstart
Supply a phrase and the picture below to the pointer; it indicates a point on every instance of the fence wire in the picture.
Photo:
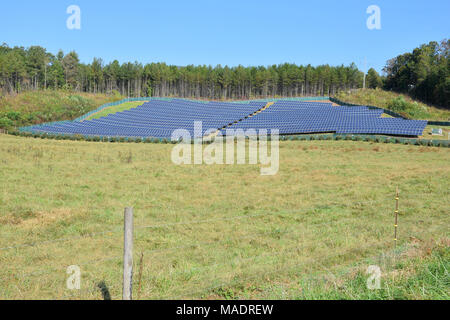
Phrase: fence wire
(165, 225)
(196, 245)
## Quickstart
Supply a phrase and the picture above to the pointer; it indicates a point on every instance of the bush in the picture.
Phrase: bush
(6, 123)
(437, 143)
(408, 109)
(14, 115)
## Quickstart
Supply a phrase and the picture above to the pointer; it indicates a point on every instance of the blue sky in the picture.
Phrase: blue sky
(247, 32)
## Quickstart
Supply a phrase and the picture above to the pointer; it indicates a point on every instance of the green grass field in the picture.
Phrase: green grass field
(224, 231)
(114, 109)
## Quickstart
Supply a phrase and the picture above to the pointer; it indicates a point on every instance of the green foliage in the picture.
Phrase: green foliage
(424, 73)
(6, 123)
(64, 71)
(407, 109)
(373, 79)
(418, 278)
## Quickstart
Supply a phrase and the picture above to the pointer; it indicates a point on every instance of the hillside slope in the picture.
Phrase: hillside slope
(34, 107)
(401, 104)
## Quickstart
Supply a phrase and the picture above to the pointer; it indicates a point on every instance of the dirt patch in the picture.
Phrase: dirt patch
(40, 218)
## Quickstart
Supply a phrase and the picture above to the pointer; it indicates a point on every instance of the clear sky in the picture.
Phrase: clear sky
(231, 32)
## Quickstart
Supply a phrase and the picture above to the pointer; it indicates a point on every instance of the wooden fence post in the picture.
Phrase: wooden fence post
(128, 255)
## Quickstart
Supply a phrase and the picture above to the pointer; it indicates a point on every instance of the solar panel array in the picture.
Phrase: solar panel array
(159, 118)
(293, 117)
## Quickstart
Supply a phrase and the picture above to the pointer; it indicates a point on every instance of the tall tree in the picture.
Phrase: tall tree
(424, 73)
(373, 79)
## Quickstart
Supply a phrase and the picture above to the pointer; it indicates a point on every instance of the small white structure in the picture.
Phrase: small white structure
(436, 132)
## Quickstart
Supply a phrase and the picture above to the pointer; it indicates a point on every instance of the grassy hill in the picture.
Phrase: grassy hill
(401, 104)
(34, 107)
(223, 231)
(114, 109)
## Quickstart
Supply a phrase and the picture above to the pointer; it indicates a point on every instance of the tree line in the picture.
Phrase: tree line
(34, 68)
(423, 73)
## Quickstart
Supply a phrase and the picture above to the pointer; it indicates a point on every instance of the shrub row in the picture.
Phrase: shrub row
(89, 138)
(369, 138)
(366, 138)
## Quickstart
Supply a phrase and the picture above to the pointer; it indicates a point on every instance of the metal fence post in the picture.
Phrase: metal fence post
(396, 218)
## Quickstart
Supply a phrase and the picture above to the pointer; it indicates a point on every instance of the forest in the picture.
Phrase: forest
(33, 68)
(424, 73)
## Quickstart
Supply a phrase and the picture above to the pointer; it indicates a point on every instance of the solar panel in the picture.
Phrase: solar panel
(159, 118)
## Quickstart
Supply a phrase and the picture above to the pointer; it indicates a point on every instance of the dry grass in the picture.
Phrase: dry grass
(33, 107)
(211, 231)
(382, 99)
